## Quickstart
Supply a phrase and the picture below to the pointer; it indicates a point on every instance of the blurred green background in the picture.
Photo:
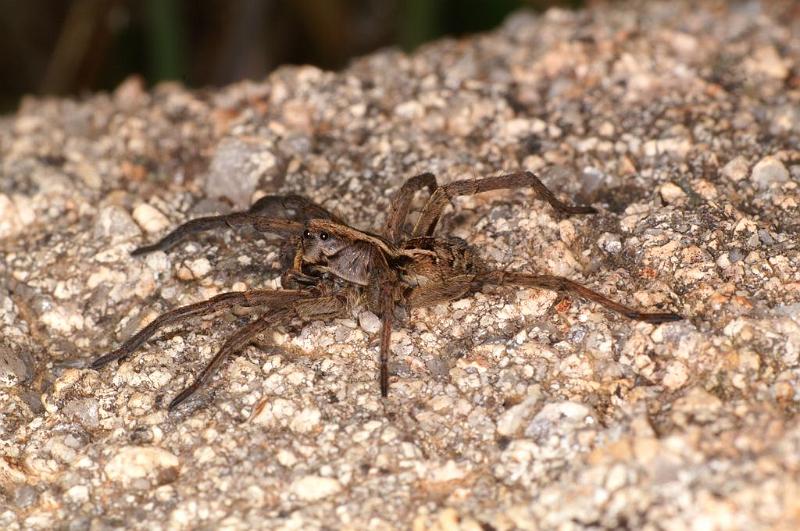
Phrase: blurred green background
(70, 47)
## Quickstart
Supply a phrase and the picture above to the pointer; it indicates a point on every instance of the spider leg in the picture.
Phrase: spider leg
(387, 305)
(441, 197)
(402, 201)
(501, 278)
(234, 343)
(291, 207)
(276, 298)
(315, 307)
(282, 227)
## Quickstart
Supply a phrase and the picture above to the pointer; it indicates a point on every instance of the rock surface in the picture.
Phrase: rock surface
(508, 410)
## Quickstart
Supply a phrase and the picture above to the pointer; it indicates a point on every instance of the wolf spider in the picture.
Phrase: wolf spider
(332, 268)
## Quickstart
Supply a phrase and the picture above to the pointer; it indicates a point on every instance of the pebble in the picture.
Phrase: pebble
(671, 192)
(315, 488)
(158, 262)
(114, 223)
(675, 376)
(449, 471)
(606, 129)
(566, 231)
(558, 417)
(15, 368)
(10, 221)
(511, 421)
(306, 420)
(194, 269)
(679, 147)
(767, 171)
(78, 494)
(131, 93)
(410, 110)
(131, 463)
(63, 319)
(697, 405)
(766, 61)
(369, 322)
(199, 267)
(150, 218)
(25, 495)
(237, 167)
(84, 410)
(286, 458)
(610, 243)
(736, 169)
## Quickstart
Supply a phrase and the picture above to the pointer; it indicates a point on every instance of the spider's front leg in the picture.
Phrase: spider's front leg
(282, 227)
(277, 214)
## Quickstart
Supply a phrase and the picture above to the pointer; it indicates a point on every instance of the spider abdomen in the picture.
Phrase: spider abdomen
(437, 260)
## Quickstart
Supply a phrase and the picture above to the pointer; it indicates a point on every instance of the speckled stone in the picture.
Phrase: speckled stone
(15, 367)
(237, 167)
(767, 171)
(149, 218)
(510, 409)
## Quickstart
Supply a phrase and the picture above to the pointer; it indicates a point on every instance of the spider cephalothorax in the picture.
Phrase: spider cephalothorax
(332, 267)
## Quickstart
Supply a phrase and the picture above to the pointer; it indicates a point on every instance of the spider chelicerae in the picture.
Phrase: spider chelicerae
(331, 269)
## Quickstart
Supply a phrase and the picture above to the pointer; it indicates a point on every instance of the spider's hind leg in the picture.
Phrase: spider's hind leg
(402, 201)
(501, 278)
(441, 197)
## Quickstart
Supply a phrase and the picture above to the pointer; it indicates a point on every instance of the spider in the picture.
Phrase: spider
(331, 268)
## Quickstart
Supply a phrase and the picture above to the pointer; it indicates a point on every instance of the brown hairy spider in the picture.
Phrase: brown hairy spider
(332, 268)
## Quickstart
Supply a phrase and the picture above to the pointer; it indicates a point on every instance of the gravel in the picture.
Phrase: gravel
(237, 167)
(15, 367)
(767, 171)
(150, 219)
(512, 409)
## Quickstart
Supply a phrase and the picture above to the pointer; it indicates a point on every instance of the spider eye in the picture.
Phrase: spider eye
(307, 234)
(323, 235)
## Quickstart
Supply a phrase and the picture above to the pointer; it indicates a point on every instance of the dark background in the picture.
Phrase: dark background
(70, 47)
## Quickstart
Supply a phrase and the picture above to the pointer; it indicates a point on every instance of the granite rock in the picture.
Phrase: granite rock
(512, 409)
